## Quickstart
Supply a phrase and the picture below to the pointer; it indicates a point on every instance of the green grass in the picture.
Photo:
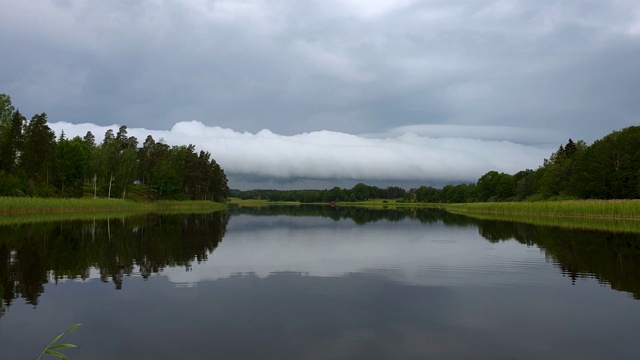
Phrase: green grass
(27, 205)
(593, 209)
(30, 218)
(385, 204)
(582, 223)
(259, 202)
(248, 202)
(610, 215)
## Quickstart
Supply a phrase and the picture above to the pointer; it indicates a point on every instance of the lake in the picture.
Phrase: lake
(318, 283)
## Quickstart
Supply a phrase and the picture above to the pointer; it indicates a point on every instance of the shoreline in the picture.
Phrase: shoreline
(11, 206)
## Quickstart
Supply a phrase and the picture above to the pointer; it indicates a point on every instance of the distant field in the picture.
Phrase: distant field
(259, 202)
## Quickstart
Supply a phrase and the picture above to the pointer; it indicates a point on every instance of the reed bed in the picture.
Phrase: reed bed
(595, 209)
(27, 205)
(578, 223)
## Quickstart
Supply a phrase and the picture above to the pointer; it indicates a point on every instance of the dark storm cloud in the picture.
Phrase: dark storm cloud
(559, 68)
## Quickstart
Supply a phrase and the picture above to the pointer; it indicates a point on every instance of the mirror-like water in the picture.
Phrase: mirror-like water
(319, 283)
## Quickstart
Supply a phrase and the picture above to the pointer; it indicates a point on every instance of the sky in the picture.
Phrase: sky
(298, 94)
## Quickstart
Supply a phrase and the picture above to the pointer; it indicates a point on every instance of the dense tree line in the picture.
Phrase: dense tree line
(607, 169)
(33, 162)
(359, 192)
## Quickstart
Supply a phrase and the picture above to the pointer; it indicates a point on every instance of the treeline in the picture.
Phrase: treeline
(33, 162)
(607, 169)
(359, 192)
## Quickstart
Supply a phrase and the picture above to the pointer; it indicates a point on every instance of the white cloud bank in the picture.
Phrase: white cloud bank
(402, 155)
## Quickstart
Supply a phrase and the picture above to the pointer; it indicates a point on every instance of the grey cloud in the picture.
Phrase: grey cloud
(565, 69)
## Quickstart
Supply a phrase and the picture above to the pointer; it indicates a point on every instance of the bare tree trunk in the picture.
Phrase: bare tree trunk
(110, 181)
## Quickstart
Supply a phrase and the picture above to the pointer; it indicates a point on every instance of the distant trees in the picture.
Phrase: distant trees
(71, 164)
(33, 162)
(608, 169)
(359, 192)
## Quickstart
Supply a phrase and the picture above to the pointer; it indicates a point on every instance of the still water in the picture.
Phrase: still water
(318, 283)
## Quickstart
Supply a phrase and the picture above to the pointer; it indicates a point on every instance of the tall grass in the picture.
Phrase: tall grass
(580, 223)
(27, 205)
(597, 209)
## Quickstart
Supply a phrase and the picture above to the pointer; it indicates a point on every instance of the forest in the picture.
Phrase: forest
(607, 169)
(33, 162)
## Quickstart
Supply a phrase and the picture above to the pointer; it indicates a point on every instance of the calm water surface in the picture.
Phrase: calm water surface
(319, 283)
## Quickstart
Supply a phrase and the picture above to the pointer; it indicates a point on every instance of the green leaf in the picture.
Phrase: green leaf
(57, 354)
(50, 348)
(63, 346)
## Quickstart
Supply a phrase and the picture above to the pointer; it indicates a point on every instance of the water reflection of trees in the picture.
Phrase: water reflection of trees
(611, 258)
(359, 215)
(33, 254)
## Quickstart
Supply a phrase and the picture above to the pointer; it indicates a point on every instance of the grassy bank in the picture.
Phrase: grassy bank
(582, 223)
(609, 215)
(259, 202)
(26, 205)
(591, 209)
(380, 204)
(94, 215)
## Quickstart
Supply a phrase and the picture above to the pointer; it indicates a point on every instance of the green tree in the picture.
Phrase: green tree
(428, 194)
(11, 137)
(361, 192)
(556, 175)
(610, 167)
(147, 162)
(495, 186)
(72, 158)
(38, 151)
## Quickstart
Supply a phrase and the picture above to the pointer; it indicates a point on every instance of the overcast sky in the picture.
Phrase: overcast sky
(321, 92)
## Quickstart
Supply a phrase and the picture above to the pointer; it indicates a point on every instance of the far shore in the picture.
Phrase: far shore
(594, 209)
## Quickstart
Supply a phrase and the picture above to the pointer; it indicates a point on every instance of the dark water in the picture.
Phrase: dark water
(315, 283)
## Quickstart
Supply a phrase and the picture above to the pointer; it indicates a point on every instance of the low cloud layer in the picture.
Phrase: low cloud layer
(399, 157)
